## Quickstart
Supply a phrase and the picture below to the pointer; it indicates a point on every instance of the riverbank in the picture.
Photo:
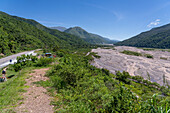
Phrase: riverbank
(155, 68)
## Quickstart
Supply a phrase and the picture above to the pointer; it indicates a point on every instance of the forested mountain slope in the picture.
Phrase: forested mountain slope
(70, 39)
(155, 38)
(89, 37)
(17, 34)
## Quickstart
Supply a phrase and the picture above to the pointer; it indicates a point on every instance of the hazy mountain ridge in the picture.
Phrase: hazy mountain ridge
(62, 29)
(89, 37)
(155, 38)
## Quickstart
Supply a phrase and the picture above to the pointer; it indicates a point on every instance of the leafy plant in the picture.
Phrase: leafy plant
(24, 61)
(43, 61)
(148, 55)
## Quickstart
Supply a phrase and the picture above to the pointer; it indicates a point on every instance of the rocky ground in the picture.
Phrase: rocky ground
(113, 60)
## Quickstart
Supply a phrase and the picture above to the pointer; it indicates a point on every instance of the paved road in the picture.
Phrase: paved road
(6, 60)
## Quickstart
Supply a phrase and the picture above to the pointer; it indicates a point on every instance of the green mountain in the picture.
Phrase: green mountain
(155, 38)
(72, 40)
(89, 37)
(17, 34)
(62, 29)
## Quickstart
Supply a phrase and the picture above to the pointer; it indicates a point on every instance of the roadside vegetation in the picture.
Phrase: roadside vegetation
(77, 86)
(10, 90)
(82, 87)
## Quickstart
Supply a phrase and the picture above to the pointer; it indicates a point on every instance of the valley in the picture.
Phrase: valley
(79, 71)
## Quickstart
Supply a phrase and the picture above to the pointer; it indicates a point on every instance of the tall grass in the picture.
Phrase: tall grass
(10, 90)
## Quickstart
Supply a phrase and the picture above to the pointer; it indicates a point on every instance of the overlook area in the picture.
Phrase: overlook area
(84, 56)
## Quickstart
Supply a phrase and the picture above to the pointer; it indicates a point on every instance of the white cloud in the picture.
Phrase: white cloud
(119, 16)
(154, 23)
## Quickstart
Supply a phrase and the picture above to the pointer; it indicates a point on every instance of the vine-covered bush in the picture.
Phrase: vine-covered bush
(43, 61)
(82, 87)
(23, 61)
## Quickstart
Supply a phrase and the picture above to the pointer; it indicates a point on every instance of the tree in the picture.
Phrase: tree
(55, 48)
(164, 79)
(149, 77)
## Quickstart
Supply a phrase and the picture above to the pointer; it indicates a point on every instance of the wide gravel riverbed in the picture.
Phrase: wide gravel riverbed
(113, 60)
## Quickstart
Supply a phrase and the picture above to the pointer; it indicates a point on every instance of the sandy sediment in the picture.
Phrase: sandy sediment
(113, 60)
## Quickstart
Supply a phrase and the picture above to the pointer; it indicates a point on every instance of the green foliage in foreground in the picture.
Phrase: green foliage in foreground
(30, 60)
(24, 61)
(10, 90)
(82, 87)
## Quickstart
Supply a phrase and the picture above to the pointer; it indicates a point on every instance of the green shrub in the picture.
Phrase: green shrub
(124, 77)
(154, 105)
(148, 49)
(95, 55)
(60, 54)
(89, 57)
(17, 67)
(131, 53)
(43, 61)
(85, 88)
(24, 61)
(139, 79)
(163, 58)
(148, 56)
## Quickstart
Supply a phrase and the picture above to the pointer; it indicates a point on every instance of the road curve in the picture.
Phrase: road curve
(6, 60)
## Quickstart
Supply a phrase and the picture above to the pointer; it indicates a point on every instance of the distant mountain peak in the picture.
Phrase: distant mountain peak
(89, 37)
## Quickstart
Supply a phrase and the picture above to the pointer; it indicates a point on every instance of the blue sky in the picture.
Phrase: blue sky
(114, 19)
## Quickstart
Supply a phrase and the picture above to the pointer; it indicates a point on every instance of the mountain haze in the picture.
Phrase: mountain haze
(155, 38)
(62, 29)
(89, 37)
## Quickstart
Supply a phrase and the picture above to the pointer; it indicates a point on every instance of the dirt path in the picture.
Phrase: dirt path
(35, 99)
